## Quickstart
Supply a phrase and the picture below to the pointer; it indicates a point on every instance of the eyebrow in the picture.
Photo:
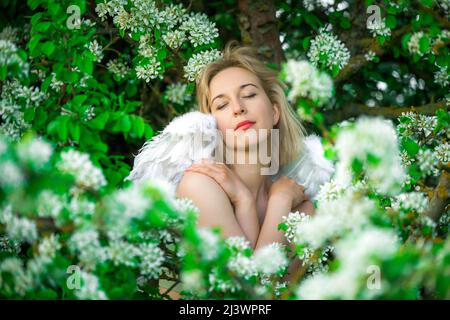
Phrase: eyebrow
(240, 88)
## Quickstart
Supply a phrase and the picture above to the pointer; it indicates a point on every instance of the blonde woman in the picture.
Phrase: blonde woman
(236, 196)
(239, 95)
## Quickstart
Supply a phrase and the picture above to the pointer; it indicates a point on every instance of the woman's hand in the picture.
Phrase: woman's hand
(287, 188)
(230, 182)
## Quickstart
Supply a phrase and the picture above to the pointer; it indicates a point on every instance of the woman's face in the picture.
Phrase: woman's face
(236, 95)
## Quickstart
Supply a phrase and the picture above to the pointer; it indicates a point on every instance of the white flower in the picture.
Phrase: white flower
(370, 55)
(122, 252)
(192, 280)
(86, 243)
(17, 228)
(428, 162)
(292, 221)
(328, 49)
(96, 49)
(11, 174)
(209, 242)
(332, 218)
(238, 243)
(49, 204)
(441, 77)
(373, 143)
(200, 29)
(198, 61)
(49, 246)
(378, 28)
(413, 43)
(131, 202)
(35, 151)
(329, 190)
(442, 152)
(55, 84)
(152, 258)
(174, 39)
(150, 71)
(9, 34)
(417, 201)
(416, 125)
(176, 93)
(270, 259)
(102, 10)
(90, 288)
(243, 266)
(118, 68)
(80, 166)
(307, 81)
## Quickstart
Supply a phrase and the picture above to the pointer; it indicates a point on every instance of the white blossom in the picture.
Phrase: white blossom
(270, 259)
(379, 28)
(118, 68)
(80, 166)
(96, 49)
(34, 151)
(208, 244)
(90, 288)
(176, 93)
(200, 29)
(198, 61)
(417, 201)
(427, 162)
(442, 152)
(374, 143)
(327, 47)
(370, 55)
(307, 81)
(152, 258)
(49, 246)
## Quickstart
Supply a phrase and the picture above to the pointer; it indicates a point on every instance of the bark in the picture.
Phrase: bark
(259, 28)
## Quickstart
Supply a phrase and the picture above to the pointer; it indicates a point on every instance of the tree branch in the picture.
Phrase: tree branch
(441, 196)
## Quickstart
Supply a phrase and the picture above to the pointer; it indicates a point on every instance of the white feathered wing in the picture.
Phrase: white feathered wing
(312, 169)
(193, 136)
(185, 140)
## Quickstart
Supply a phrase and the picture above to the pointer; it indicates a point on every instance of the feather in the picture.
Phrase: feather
(312, 169)
(193, 136)
(185, 140)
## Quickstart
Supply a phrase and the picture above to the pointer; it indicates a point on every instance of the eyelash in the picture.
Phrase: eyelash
(223, 105)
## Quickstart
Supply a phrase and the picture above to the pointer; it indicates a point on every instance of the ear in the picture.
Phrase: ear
(276, 114)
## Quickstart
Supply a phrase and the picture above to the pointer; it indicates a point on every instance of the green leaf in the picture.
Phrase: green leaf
(34, 41)
(138, 126)
(74, 131)
(47, 48)
(411, 146)
(424, 44)
(42, 27)
(99, 121)
(125, 123)
(391, 22)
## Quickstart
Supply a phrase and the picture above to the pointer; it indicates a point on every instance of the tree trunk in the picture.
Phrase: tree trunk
(259, 28)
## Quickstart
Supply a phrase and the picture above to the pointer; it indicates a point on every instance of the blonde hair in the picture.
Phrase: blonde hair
(291, 130)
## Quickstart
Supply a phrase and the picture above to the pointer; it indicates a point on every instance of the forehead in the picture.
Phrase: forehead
(230, 79)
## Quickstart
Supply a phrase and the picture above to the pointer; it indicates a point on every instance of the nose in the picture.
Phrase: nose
(238, 108)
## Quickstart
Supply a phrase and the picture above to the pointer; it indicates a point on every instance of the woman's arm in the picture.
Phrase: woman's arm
(278, 207)
(216, 208)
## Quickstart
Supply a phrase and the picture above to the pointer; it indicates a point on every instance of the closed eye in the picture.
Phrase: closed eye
(225, 104)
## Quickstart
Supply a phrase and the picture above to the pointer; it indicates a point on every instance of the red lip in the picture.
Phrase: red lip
(244, 123)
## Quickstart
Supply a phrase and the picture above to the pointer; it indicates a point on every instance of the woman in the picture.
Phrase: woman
(236, 196)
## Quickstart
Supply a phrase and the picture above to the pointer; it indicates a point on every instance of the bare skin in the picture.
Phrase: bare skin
(236, 197)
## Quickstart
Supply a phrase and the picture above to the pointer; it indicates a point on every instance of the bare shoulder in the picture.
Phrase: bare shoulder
(213, 203)
(199, 186)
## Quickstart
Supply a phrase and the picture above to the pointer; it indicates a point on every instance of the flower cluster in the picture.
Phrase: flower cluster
(176, 93)
(79, 165)
(359, 149)
(198, 61)
(307, 81)
(379, 28)
(328, 51)
(118, 68)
